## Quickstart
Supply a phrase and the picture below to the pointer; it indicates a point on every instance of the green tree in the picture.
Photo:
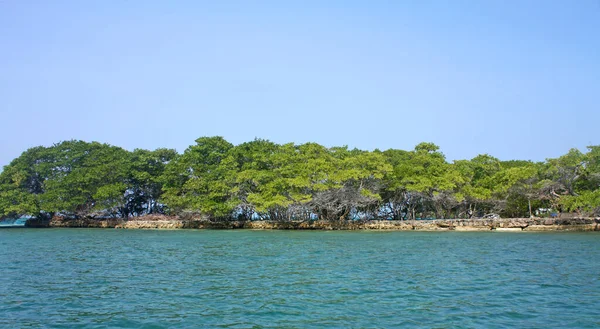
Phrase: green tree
(428, 178)
(586, 203)
(394, 193)
(21, 183)
(262, 179)
(476, 188)
(353, 185)
(195, 181)
(74, 178)
(516, 185)
(144, 180)
(254, 165)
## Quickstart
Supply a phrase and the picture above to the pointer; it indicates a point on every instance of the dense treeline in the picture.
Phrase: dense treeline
(264, 180)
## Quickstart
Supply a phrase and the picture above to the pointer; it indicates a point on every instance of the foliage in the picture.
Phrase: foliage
(260, 179)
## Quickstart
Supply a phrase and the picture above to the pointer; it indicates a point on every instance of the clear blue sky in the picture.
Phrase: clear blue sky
(515, 79)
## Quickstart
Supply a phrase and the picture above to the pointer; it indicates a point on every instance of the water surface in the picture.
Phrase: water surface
(13, 222)
(98, 278)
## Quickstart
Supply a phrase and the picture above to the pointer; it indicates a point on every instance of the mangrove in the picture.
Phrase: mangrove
(261, 180)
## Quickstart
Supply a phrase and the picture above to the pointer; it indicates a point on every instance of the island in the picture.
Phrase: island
(264, 185)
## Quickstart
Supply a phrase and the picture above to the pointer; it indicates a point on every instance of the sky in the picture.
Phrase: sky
(514, 79)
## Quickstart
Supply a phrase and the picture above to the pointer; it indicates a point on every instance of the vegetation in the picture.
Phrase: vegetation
(264, 180)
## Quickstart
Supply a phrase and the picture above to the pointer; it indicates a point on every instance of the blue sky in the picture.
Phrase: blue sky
(515, 79)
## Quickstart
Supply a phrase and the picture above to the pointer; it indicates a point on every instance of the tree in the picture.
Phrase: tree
(73, 178)
(262, 179)
(21, 183)
(421, 177)
(394, 193)
(590, 179)
(195, 181)
(254, 165)
(476, 191)
(353, 185)
(586, 203)
(514, 184)
(144, 180)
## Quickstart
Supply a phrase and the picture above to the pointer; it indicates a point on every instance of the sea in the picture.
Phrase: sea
(109, 278)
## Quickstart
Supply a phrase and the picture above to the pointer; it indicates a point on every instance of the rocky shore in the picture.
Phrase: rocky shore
(166, 222)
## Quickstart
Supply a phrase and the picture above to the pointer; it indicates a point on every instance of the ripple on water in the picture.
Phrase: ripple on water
(269, 279)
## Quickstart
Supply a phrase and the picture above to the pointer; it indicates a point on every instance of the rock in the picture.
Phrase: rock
(174, 222)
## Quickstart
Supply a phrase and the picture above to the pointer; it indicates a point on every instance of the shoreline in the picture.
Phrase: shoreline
(171, 223)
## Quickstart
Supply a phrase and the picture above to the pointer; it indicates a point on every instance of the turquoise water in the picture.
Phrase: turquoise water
(13, 222)
(69, 278)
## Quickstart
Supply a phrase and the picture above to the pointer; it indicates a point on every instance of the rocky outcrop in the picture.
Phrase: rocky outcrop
(172, 222)
(37, 223)
(564, 224)
(85, 222)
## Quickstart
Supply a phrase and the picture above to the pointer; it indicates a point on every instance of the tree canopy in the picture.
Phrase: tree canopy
(261, 179)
